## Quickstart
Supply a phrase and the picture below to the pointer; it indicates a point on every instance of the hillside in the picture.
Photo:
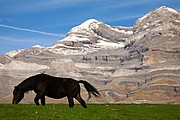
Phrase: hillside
(139, 64)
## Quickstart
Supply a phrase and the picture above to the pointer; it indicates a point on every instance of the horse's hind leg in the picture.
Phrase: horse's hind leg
(80, 100)
(71, 102)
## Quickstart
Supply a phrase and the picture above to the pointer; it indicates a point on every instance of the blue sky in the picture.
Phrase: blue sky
(24, 23)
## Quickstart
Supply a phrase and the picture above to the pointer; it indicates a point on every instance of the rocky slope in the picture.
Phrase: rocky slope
(139, 64)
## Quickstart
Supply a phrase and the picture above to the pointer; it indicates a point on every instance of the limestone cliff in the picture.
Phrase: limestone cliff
(139, 64)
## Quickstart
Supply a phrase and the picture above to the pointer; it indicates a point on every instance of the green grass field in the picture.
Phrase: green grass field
(93, 112)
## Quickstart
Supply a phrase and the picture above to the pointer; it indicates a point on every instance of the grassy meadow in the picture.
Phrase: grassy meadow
(93, 112)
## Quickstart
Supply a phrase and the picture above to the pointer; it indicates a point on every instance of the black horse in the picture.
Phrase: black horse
(54, 87)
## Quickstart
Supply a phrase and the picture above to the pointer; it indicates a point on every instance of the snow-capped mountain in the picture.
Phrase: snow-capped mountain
(91, 36)
(138, 64)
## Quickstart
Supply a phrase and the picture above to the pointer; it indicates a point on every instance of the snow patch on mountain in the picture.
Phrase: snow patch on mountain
(37, 46)
(20, 65)
(89, 24)
(169, 9)
(105, 44)
(178, 21)
(122, 31)
(13, 53)
(75, 38)
(1, 65)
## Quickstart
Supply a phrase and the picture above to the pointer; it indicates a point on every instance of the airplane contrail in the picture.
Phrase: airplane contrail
(30, 30)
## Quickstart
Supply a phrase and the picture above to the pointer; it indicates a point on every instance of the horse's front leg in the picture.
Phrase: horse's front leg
(43, 101)
(37, 97)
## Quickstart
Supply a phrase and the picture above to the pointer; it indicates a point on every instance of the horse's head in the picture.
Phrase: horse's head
(18, 95)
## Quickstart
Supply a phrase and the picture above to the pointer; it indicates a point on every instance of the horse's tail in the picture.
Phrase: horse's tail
(90, 89)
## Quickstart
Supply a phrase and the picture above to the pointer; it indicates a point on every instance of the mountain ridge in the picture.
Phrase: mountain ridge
(127, 65)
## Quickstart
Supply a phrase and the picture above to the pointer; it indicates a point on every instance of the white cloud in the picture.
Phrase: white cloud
(30, 30)
(122, 4)
(17, 40)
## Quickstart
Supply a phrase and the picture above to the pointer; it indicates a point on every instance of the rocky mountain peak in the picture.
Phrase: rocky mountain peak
(162, 19)
(87, 25)
(165, 9)
(83, 32)
(159, 13)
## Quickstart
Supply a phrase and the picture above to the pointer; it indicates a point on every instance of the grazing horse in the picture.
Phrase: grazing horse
(54, 87)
